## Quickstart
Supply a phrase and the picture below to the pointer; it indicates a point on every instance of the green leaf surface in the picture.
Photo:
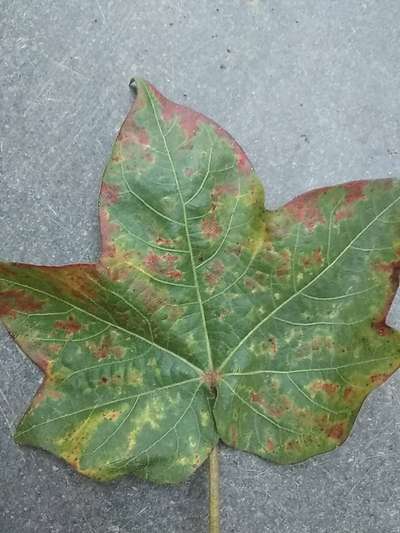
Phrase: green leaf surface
(206, 316)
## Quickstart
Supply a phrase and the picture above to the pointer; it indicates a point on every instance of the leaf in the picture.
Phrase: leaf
(206, 316)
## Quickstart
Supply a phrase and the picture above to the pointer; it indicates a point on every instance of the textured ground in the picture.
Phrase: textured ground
(311, 91)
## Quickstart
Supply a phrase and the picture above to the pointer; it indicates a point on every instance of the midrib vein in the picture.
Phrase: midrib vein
(185, 219)
(309, 284)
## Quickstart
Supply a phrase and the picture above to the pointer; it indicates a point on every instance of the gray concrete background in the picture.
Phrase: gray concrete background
(311, 90)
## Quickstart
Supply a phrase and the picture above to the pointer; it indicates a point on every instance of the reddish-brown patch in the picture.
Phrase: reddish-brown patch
(270, 445)
(163, 264)
(152, 299)
(14, 300)
(213, 276)
(109, 193)
(378, 379)
(152, 261)
(305, 209)
(106, 348)
(355, 191)
(210, 227)
(104, 380)
(69, 326)
(324, 386)
(336, 431)
(272, 410)
(314, 259)
(131, 133)
(348, 393)
(189, 120)
(224, 189)
(284, 267)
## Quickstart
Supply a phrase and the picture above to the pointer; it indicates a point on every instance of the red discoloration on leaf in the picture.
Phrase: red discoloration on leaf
(315, 259)
(14, 300)
(105, 348)
(305, 209)
(131, 133)
(210, 227)
(355, 191)
(152, 261)
(337, 431)
(164, 264)
(188, 119)
(273, 410)
(69, 326)
(214, 274)
(109, 193)
(323, 386)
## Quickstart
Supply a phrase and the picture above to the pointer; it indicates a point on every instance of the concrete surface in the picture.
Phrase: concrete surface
(311, 90)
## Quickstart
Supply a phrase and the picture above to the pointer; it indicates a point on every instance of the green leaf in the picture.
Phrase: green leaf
(206, 316)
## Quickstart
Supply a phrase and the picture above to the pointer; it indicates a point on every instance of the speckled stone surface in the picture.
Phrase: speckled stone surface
(311, 91)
